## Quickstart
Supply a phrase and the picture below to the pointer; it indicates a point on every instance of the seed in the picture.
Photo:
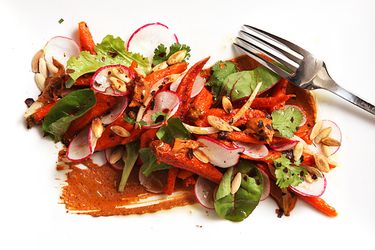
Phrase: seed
(35, 61)
(321, 163)
(297, 151)
(117, 84)
(316, 129)
(323, 134)
(227, 105)
(236, 183)
(326, 150)
(119, 73)
(120, 131)
(235, 128)
(219, 123)
(116, 155)
(40, 81)
(160, 66)
(97, 127)
(200, 156)
(31, 110)
(43, 67)
(328, 141)
(52, 68)
(172, 78)
(177, 57)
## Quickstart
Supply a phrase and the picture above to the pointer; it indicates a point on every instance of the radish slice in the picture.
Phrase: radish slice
(286, 145)
(335, 134)
(266, 185)
(197, 86)
(204, 192)
(166, 102)
(218, 153)
(116, 112)
(256, 151)
(98, 158)
(119, 165)
(100, 81)
(82, 146)
(154, 183)
(304, 119)
(147, 38)
(314, 189)
(61, 48)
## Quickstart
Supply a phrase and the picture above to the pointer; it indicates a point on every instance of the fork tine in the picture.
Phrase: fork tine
(271, 46)
(266, 64)
(289, 66)
(290, 45)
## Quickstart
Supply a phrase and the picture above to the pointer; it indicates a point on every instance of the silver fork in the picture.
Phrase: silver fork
(296, 65)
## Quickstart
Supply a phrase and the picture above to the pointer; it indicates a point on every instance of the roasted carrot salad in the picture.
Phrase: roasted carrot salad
(227, 136)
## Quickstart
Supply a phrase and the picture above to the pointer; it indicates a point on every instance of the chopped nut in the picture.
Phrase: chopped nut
(177, 57)
(297, 151)
(328, 141)
(321, 163)
(219, 123)
(120, 74)
(120, 131)
(227, 104)
(40, 81)
(236, 183)
(43, 67)
(117, 84)
(116, 155)
(236, 129)
(35, 61)
(200, 156)
(160, 66)
(316, 129)
(97, 127)
(322, 134)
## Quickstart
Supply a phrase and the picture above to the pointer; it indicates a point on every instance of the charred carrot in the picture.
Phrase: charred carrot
(171, 181)
(183, 174)
(83, 81)
(42, 112)
(85, 38)
(270, 102)
(160, 74)
(147, 137)
(163, 152)
(242, 137)
(190, 181)
(202, 103)
(320, 205)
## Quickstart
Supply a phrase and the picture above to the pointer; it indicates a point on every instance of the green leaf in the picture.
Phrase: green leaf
(220, 71)
(150, 163)
(238, 206)
(69, 108)
(155, 117)
(177, 47)
(173, 129)
(161, 53)
(287, 174)
(110, 51)
(242, 84)
(286, 121)
(129, 159)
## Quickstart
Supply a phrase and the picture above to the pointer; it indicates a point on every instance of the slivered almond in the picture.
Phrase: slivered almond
(326, 150)
(116, 155)
(97, 127)
(227, 104)
(219, 123)
(322, 134)
(315, 130)
(120, 74)
(236, 129)
(328, 141)
(40, 81)
(177, 57)
(236, 183)
(35, 61)
(160, 66)
(31, 110)
(120, 131)
(297, 151)
(117, 84)
(321, 163)
(200, 156)
(43, 67)
(52, 68)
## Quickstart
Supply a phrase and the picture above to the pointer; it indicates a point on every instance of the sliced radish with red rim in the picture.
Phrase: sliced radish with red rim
(255, 151)
(82, 146)
(61, 48)
(101, 80)
(148, 37)
(220, 154)
(153, 183)
(266, 185)
(197, 86)
(204, 192)
(116, 112)
(335, 134)
(119, 165)
(314, 189)
(285, 144)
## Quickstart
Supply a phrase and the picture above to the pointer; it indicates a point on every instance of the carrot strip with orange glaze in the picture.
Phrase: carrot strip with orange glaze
(202, 102)
(271, 103)
(85, 38)
(183, 174)
(320, 205)
(242, 137)
(160, 74)
(40, 113)
(147, 137)
(163, 153)
(171, 181)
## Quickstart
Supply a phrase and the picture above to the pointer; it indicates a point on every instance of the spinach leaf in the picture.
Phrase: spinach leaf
(238, 206)
(220, 71)
(242, 84)
(173, 129)
(150, 163)
(69, 108)
(129, 159)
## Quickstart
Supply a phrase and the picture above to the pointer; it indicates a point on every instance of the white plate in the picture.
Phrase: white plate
(31, 217)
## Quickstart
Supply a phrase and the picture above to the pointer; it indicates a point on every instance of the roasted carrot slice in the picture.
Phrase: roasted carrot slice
(270, 102)
(320, 205)
(147, 137)
(183, 174)
(85, 38)
(160, 74)
(40, 113)
(190, 181)
(83, 81)
(171, 181)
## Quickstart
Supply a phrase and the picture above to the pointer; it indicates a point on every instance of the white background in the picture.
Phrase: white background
(342, 33)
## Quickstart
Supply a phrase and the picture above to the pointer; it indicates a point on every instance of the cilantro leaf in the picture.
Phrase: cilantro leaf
(287, 174)
(158, 116)
(177, 47)
(162, 54)
(173, 129)
(220, 71)
(286, 121)
(150, 163)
